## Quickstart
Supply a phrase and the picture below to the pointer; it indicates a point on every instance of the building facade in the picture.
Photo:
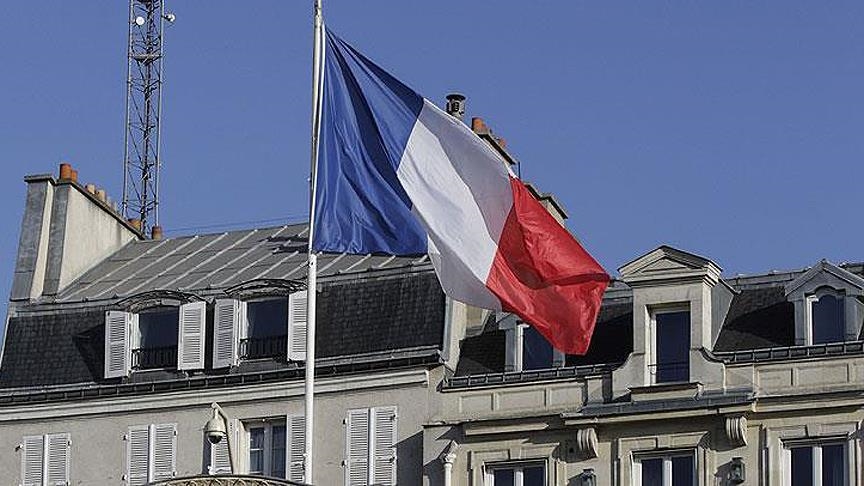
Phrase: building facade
(122, 354)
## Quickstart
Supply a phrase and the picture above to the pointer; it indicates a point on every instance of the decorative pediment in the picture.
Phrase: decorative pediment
(667, 263)
(825, 274)
(156, 298)
(265, 287)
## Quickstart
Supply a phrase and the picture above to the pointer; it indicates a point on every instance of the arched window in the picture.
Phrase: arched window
(827, 323)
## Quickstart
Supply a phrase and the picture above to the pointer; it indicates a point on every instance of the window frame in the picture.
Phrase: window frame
(267, 424)
(515, 346)
(518, 470)
(812, 298)
(667, 457)
(816, 446)
(245, 325)
(651, 362)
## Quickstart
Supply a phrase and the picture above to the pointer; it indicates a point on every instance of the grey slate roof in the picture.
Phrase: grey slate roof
(207, 264)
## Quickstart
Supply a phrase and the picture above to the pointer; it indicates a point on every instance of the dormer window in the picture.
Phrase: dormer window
(826, 320)
(256, 328)
(828, 306)
(156, 330)
(527, 349)
(155, 342)
(670, 331)
(266, 329)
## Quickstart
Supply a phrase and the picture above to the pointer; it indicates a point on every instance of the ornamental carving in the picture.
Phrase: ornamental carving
(586, 442)
(231, 480)
(736, 430)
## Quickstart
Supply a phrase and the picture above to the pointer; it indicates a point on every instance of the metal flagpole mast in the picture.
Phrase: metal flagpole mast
(312, 270)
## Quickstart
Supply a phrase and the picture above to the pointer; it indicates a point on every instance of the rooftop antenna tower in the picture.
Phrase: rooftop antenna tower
(141, 160)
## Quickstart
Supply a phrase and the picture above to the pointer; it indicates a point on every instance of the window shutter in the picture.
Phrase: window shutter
(31, 460)
(164, 451)
(297, 326)
(57, 457)
(357, 448)
(295, 446)
(117, 353)
(220, 460)
(226, 326)
(384, 445)
(138, 455)
(193, 318)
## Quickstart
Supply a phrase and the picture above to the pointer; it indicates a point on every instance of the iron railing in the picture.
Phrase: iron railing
(676, 371)
(154, 358)
(266, 347)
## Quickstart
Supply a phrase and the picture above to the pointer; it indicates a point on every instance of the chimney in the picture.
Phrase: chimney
(455, 106)
(65, 231)
(156, 233)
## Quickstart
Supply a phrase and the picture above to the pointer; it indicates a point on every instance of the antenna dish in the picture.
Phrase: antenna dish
(139, 21)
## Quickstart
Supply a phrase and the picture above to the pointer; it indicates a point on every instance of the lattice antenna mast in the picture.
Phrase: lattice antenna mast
(141, 161)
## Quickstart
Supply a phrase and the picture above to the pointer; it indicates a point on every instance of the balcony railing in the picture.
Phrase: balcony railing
(227, 480)
(265, 347)
(676, 371)
(154, 358)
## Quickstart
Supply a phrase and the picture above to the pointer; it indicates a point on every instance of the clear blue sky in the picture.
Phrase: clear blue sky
(731, 129)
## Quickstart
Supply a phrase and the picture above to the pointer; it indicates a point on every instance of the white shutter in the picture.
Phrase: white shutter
(164, 440)
(31, 460)
(138, 455)
(295, 446)
(190, 339)
(57, 459)
(220, 459)
(226, 327)
(384, 446)
(297, 326)
(117, 352)
(357, 448)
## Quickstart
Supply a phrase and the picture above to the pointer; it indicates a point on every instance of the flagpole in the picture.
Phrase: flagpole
(312, 270)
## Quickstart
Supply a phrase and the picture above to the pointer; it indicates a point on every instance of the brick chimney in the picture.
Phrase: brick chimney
(65, 231)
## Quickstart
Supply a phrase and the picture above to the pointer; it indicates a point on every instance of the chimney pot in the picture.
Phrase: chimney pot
(136, 223)
(101, 195)
(478, 125)
(456, 106)
(91, 188)
(502, 142)
(156, 232)
(74, 177)
(65, 171)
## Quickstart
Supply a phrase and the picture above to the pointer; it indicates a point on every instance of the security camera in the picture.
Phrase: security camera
(215, 429)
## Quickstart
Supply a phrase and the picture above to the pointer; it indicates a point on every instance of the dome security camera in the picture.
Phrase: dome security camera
(215, 428)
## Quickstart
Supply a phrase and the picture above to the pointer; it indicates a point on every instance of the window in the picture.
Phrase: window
(264, 328)
(267, 449)
(45, 460)
(821, 464)
(155, 338)
(665, 470)
(527, 349)
(370, 446)
(151, 453)
(671, 346)
(275, 447)
(529, 474)
(826, 323)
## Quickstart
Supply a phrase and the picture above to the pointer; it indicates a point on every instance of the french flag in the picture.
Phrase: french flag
(398, 176)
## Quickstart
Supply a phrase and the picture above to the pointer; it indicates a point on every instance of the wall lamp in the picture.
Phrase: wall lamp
(737, 472)
(588, 478)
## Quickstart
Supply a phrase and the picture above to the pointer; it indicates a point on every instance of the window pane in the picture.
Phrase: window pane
(652, 472)
(159, 327)
(802, 466)
(832, 465)
(277, 456)
(673, 346)
(828, 326)
(267, 318)
(534, 476)
(536, 351)
(682, 471)
(256, 450)
(503, 477)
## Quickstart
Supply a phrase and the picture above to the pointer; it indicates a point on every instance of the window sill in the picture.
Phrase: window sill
(666, 391)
